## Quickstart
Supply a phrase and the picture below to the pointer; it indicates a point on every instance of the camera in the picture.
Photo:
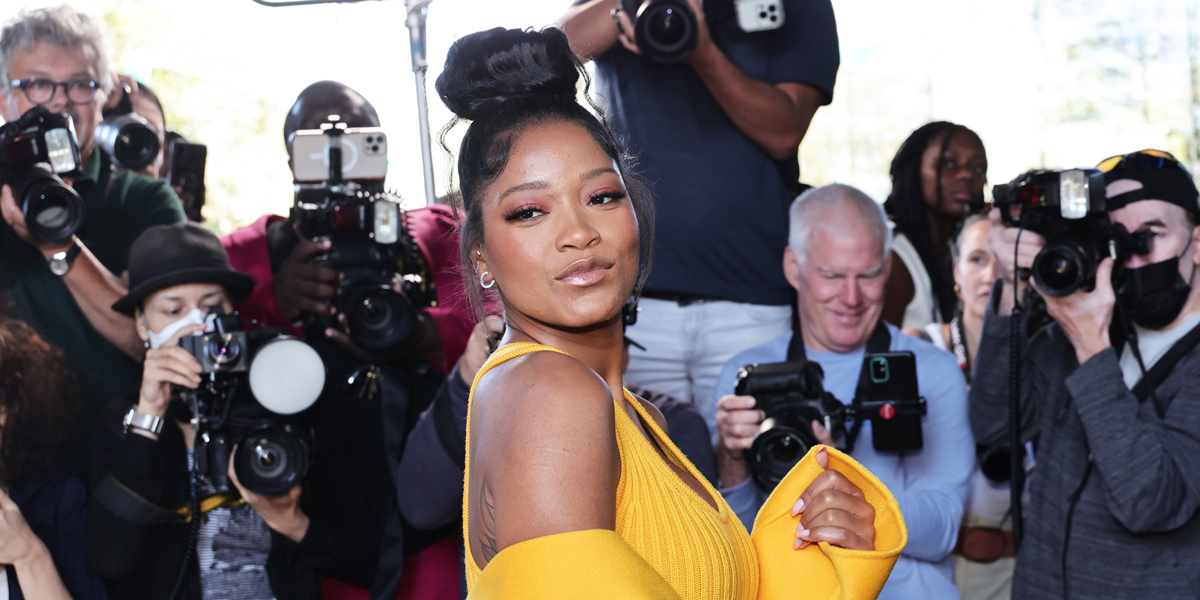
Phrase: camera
(255, 385)
(664, 30)
(35, 150)
(791, 395)
(371, 246)
(127, 137)
(1068, 209)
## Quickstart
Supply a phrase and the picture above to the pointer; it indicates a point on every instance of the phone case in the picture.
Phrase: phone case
(364, 154)
(759, 15)
(892, 378)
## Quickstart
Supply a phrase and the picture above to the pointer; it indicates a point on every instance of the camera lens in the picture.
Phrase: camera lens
(130, 142)
(378, 316)
(1062, 267)
(53, 211)
(778, 449)
(665, 30)
(223, 350)
(271, 461)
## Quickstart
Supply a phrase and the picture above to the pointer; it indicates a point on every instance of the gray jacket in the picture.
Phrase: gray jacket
(1135, 530)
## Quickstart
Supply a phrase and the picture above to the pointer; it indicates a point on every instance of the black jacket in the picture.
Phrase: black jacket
(1133, 530)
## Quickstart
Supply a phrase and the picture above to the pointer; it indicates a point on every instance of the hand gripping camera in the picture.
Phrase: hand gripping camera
(791, 395)
(254, 386)
(1068, 209)
(370, 245)
(34, 151)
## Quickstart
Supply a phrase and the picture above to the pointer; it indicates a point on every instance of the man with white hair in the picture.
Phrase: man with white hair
(838, 260)
(56, 58)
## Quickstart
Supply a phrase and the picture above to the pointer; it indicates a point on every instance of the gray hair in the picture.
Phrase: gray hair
(806, 213)
(60, 26)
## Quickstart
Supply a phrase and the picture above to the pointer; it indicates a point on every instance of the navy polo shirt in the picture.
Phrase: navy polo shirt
(721, 201)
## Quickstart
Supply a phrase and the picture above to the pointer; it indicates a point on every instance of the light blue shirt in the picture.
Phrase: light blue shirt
(929, 485)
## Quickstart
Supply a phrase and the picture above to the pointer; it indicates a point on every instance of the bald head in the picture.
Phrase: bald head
(323, 98)
(839, 209)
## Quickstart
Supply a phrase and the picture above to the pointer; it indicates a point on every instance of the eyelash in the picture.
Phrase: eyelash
(614, 196)
(522, 213)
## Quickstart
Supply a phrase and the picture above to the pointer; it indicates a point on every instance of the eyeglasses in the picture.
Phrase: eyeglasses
(40, 90)
(1142, 160)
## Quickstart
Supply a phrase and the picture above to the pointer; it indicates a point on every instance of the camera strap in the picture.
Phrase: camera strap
(1144, 389)
(880, 341)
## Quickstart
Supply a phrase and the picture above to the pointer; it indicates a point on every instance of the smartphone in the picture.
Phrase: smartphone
(893, 401)
(364, 154)
(186, 174)
(759, 15)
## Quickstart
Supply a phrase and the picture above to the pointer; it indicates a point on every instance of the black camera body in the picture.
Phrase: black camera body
(255, 385)
(1068, 209)
(127, 137)
(665, 31)
(369, 243)
(791, 395)
(35, 150)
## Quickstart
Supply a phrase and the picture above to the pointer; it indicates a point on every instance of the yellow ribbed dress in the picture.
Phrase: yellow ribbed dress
(669, 544)
(702, 553)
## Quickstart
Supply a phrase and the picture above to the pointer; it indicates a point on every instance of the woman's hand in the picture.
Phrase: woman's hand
(280, 513)
(833, 510)
(17, 542)
(164, 366)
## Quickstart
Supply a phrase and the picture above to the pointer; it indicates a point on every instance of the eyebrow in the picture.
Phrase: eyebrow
(868, 273)
(541, 185)
(1153, 223)
(202, 298)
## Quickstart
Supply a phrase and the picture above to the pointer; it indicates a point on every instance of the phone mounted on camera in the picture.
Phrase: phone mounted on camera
(371, 242)
(792, 395)
(667, 31)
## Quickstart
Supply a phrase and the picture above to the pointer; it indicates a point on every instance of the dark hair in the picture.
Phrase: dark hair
(323, 98)
(36, 399)
(505, 81)
(145, 91)
(907, 208)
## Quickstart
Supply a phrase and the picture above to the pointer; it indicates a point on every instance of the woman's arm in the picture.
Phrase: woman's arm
(544, 457)
(29, 557)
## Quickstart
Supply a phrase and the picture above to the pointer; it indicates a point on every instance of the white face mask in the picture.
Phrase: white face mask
(196, 317)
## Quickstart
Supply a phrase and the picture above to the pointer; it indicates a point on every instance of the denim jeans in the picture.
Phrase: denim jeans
(686, 346)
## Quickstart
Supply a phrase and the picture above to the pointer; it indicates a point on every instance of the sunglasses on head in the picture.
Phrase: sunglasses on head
(1142, 160)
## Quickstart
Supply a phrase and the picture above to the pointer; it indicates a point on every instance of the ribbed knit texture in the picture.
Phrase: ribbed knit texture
(702, 553)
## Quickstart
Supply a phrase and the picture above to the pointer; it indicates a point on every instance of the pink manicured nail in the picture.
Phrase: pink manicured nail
(803, 533)
(797, 507)
(796, 544)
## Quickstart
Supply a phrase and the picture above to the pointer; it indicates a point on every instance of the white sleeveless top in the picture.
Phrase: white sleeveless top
(923, 309)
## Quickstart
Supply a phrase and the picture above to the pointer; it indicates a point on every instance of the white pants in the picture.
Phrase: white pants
(686, 346)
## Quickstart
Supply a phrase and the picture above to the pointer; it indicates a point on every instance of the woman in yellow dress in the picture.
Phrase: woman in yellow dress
(572, 488)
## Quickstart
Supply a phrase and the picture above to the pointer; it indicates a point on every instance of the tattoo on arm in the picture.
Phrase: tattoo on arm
(487, 518)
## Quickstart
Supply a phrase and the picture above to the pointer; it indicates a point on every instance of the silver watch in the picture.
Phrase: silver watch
(142, 421)
(60, 262)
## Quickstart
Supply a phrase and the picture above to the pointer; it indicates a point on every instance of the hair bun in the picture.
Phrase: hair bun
(488, 69)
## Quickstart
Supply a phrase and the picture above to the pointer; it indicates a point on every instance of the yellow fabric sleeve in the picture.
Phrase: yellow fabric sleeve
(585, 565)
(821, 571)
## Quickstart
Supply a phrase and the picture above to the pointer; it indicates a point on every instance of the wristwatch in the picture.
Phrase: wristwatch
(143, 421)
(60, 262)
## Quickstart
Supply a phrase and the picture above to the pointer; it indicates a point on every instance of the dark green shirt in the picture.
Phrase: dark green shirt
(120, 206)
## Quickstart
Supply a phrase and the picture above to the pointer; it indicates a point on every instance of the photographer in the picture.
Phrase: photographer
(140, 532)
(1108, 396)
(55, 57)
(838, 260)
(369, 421)
(717, 132)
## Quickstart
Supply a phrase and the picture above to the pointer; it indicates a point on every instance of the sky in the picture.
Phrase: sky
(1019, 72)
